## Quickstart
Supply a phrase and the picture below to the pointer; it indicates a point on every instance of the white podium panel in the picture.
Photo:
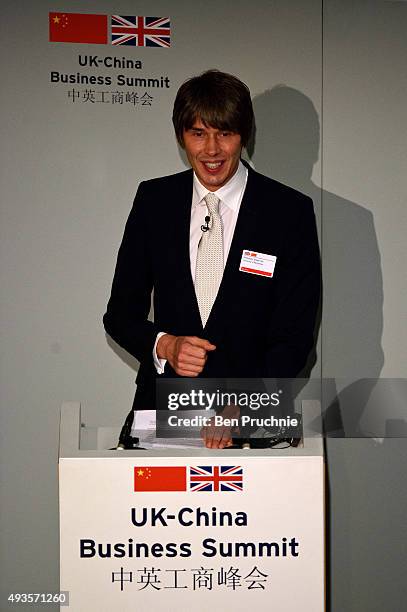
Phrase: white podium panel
(198, 529)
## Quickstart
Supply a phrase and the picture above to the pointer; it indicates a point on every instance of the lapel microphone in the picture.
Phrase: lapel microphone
(205, 228)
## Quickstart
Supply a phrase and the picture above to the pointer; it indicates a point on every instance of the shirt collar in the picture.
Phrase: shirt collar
(228, 194)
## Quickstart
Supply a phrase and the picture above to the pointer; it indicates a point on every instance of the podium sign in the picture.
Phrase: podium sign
(204, 530)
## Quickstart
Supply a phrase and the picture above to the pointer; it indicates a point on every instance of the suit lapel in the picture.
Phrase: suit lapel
(182, 223)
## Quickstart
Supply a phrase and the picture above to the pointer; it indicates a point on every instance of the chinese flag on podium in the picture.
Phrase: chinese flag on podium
(166, 478)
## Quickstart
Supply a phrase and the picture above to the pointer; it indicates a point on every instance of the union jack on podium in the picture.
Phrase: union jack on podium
(216, 478)
(141, 31)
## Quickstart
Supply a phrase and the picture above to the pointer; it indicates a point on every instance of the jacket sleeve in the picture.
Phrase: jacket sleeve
(293, 326)
(126, 318)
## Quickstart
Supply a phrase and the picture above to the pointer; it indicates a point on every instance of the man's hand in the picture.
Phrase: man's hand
(187, 355)
(220, 436)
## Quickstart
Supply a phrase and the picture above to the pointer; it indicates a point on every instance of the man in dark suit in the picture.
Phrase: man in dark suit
(232, 257)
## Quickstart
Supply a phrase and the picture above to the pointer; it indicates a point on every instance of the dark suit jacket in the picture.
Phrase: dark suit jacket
(261, 326)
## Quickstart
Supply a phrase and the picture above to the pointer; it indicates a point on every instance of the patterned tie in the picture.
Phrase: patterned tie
(209, 260)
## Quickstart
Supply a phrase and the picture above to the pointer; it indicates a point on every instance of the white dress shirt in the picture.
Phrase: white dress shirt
(230, 196)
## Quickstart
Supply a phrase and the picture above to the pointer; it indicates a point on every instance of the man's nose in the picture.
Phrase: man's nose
(212, 145)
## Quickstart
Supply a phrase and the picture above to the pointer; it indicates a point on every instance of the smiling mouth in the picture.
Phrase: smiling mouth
(212, 165)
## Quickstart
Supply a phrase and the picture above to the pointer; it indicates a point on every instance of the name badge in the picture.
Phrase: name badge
(261, 264)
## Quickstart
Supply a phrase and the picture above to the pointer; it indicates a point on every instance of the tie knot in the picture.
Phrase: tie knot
(212, 202)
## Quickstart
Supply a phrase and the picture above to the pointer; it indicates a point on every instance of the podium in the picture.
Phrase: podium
(177, 529)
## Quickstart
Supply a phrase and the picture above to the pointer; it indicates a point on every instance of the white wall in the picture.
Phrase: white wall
(365, 310)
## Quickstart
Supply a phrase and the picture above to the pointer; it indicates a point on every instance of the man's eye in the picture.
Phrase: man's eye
(226, 133)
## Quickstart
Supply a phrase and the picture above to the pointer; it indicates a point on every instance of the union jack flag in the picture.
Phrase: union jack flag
(216, 478)
(141, 31)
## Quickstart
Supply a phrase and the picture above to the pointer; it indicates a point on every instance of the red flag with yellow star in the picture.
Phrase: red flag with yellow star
(78, 28)
(166, 478)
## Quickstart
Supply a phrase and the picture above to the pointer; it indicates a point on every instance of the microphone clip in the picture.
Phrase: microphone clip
(205, 228)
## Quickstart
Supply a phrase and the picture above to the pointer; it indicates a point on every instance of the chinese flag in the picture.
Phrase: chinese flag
(78, 28)
(166, 478)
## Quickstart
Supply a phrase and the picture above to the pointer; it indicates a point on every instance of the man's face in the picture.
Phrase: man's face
(213, 154)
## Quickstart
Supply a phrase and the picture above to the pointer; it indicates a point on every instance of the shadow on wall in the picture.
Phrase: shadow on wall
(285, 146)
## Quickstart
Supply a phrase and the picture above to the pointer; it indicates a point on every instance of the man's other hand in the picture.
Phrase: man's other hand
(220, 436)
(186, 355)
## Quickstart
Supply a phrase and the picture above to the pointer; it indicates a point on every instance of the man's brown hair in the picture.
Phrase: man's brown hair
(219, 100)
